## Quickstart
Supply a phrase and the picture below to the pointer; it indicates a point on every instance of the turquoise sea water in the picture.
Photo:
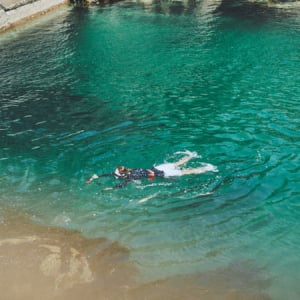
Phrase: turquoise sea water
(132, 84)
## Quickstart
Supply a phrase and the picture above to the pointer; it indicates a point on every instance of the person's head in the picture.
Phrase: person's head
(121, 171)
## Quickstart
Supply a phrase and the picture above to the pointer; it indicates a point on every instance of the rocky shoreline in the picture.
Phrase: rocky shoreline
(16, 12)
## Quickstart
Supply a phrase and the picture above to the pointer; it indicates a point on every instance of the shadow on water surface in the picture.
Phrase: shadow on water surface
(256, 11)
(39, 262)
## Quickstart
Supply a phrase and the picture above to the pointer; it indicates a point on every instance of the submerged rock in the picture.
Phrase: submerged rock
(39, 262)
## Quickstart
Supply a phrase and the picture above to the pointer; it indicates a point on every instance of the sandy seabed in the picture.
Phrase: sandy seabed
(40, 262)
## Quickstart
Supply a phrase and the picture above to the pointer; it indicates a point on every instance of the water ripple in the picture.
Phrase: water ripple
(126, 85)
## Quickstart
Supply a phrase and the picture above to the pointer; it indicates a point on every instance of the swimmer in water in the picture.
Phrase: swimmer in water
(160, 171)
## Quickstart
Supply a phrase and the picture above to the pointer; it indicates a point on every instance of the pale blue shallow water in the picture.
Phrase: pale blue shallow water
(90, 89)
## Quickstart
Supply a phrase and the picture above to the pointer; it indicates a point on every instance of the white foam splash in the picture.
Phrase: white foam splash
(147, 198)
(141, 187)
(193, 154)
(210, 167)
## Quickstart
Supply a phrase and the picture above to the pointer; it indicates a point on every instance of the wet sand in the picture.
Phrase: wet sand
(39, 262)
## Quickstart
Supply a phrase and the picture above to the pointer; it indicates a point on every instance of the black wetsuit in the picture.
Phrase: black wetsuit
(134, 174)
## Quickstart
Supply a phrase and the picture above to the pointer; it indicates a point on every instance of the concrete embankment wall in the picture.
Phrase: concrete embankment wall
(15, 12)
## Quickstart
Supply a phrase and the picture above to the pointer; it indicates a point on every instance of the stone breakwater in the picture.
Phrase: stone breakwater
(15, 12)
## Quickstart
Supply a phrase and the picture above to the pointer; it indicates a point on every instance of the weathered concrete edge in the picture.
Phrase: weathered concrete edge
(12, 18)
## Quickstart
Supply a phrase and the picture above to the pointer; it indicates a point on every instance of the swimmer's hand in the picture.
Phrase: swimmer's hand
(90, 180)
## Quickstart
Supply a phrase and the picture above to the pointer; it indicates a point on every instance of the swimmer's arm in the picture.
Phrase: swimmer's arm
(121, 185)
(95, 176)
(91, 179)
(118, 186)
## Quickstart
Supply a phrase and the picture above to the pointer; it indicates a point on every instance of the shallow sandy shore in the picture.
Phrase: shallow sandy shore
(16, 12)
(40, 262)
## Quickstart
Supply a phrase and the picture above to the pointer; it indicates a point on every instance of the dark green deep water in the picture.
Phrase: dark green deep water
(90, 89)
